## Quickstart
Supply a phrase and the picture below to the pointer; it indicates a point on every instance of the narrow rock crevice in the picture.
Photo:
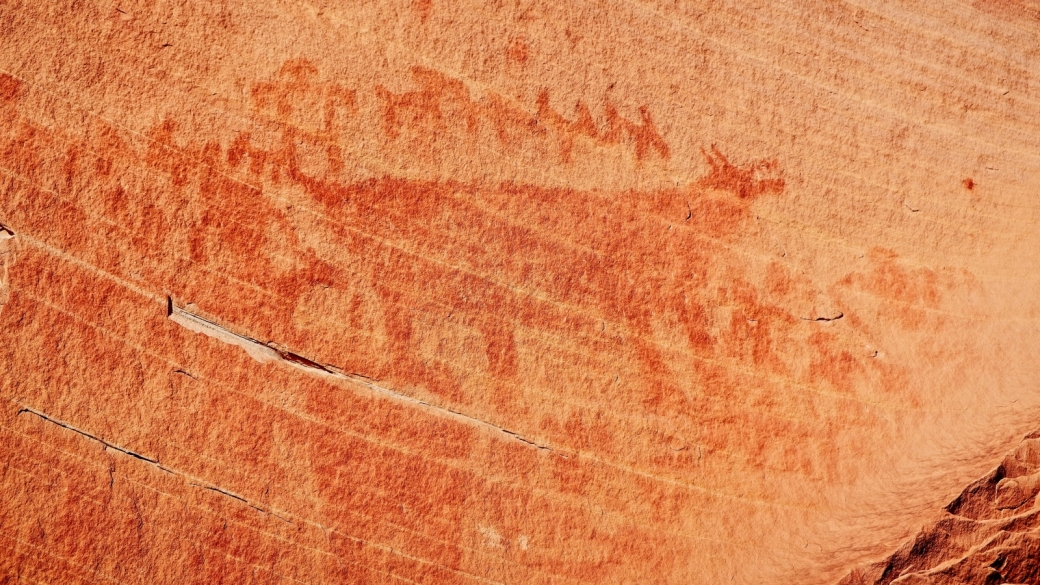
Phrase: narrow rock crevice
(189, 479)
(90, 436)
(273, 353)
(824, 319)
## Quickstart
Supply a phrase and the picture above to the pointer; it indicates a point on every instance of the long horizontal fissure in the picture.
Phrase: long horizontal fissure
(192, 480)
(271, 353)
(90, 436)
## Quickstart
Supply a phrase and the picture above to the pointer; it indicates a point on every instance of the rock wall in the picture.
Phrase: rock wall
(524, 292)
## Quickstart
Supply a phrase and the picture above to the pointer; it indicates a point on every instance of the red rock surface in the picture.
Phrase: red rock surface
(522, 292)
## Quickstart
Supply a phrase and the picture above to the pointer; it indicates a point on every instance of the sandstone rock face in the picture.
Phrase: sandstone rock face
(518, 292)
(990, 533)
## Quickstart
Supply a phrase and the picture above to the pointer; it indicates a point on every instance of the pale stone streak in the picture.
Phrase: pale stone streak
(266, 354)
(6, 253)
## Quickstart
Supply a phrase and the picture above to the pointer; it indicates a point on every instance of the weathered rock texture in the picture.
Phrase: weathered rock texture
(990, 533)
(516, 292)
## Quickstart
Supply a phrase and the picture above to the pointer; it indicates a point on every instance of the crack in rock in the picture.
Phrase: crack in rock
(272, 353)
(824, 319)
(190, 479)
